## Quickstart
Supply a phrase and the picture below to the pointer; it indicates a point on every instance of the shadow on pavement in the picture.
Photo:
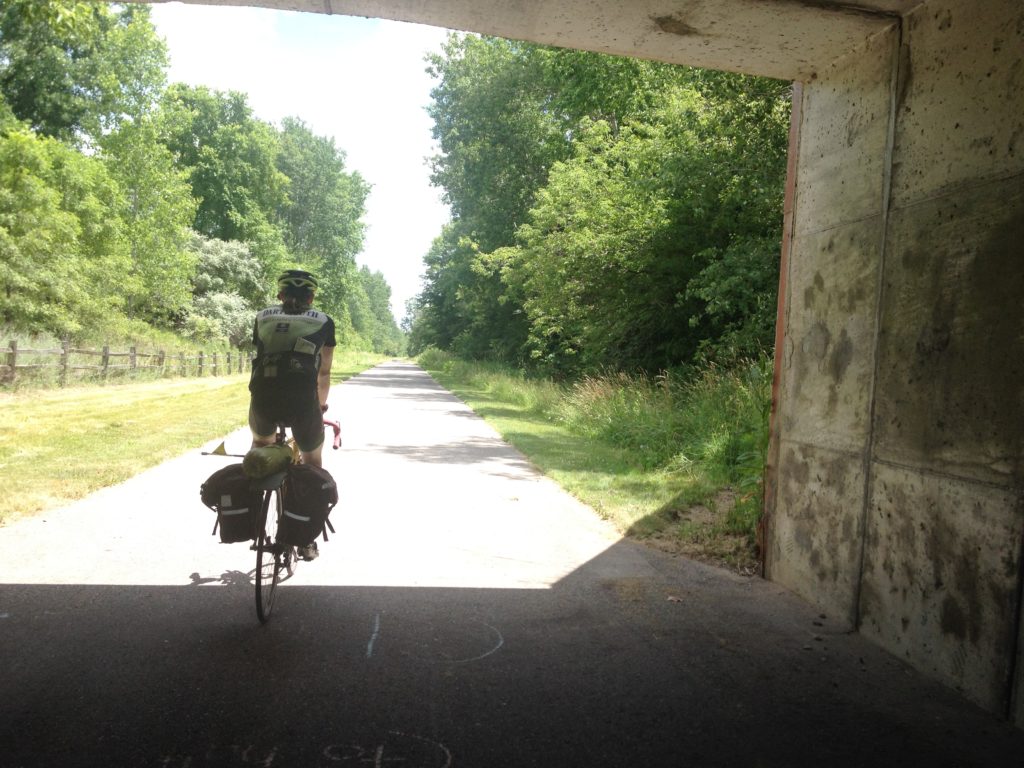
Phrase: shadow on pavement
(631, 658)
(474, 450)
(388, 377)
(690, 667)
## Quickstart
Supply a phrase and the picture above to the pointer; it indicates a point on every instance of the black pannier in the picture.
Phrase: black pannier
(229, 492)
(310, 494)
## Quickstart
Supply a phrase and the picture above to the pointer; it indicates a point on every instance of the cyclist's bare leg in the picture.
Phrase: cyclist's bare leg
(258, 441)
(314, 457)
(256, 424)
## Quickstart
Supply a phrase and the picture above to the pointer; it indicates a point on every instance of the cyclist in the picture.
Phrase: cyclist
(291, 373)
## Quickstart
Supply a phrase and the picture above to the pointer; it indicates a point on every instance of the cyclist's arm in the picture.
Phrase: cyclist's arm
(323, 380)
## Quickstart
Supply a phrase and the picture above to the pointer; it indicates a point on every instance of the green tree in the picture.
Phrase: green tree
(733, 177)
(158, 212)
(634, 222)
(463, 305)
(505, 114)
(585, 85)
(62, 254)
(496, 138)
(383, 333)
(590, 264)
(323, 213)
(77, 70)
(661, 242)
(231, 158)
(228, 287)
(497, 141)
(228, 266)
(322, 216)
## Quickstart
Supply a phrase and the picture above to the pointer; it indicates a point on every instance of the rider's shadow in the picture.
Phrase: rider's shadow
(228, 578)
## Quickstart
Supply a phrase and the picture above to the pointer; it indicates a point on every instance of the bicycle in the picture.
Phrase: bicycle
(272, 557)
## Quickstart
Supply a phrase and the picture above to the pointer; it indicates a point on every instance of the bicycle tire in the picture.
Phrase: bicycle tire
(269, 560)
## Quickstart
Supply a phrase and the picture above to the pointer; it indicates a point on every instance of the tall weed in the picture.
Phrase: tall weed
(631, 412)
(716, 417)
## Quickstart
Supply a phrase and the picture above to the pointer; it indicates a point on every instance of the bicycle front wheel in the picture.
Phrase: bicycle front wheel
(269, 559)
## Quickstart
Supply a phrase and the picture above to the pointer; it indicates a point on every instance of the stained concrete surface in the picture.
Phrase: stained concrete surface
(909, 164)
(466, 613)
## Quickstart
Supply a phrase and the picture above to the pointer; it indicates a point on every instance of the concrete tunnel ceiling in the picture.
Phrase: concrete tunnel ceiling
(785, 39)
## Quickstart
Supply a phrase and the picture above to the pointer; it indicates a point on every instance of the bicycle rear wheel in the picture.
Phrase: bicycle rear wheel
(270, 559)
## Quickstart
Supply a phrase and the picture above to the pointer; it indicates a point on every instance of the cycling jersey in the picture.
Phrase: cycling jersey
(284, 374)
(288, 350)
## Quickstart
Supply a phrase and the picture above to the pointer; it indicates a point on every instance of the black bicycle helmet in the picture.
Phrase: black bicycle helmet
(296, 281)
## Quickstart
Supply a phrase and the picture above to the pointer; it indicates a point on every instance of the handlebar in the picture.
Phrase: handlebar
(336, 444)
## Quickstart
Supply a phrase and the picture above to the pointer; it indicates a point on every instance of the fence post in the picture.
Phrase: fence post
(201, 361)
(227, 365)
(12, 358)
(181, 364)
(213, 365)
(65, 353)
(105, 362)
(131, 359)
(161, 359)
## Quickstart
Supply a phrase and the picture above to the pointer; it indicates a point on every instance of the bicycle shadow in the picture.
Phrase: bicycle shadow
(232, 579)
(228, 578)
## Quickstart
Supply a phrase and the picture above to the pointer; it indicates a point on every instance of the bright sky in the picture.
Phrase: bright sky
(359, 81)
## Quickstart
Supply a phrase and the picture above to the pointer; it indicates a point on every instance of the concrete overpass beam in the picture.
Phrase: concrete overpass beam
(786, 40)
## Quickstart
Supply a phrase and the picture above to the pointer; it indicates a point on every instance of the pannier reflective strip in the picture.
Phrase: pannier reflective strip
(293, 516)
(242, 511)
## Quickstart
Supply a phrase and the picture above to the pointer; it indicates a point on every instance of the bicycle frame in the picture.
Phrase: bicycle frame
(273, 558)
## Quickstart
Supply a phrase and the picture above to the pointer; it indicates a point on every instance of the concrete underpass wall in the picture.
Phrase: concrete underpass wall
(827, 354)
(901, 405)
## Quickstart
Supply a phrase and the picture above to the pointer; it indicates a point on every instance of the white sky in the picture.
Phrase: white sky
(360, 81)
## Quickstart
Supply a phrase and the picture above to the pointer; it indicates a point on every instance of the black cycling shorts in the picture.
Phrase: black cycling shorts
(302, 414)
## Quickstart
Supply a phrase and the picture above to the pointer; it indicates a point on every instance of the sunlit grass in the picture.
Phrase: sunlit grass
(58, 445)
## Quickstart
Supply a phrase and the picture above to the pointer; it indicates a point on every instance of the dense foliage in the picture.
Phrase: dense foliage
(128, 204)
(607, 212)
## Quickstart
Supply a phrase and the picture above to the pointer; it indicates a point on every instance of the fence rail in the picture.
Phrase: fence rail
(67, 360)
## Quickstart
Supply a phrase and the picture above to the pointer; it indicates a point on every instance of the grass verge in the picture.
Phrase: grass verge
(58, 445)
(674, 461)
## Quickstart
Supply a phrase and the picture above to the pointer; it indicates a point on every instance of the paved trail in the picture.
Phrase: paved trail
(467, 613)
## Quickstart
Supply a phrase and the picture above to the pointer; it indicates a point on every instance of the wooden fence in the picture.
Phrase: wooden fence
(102, 364)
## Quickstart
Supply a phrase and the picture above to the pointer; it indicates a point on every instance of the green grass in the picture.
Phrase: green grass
(58, 445)
(676, 460)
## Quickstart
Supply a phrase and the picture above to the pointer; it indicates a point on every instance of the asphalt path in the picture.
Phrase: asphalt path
(466, 613)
